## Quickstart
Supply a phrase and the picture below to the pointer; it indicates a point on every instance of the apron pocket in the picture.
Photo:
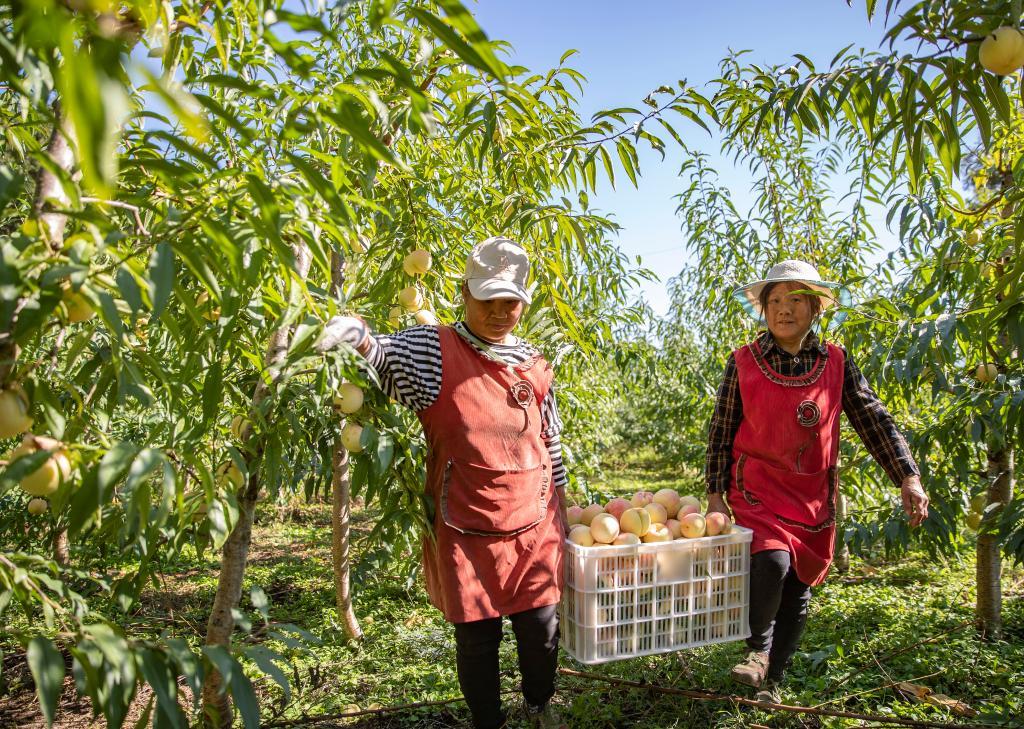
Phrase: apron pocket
(481, 500)
(799, 499)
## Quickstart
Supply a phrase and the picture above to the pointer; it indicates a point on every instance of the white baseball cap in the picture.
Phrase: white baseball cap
(498, 268)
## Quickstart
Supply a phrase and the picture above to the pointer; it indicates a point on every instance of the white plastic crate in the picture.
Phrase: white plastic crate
(637, 600)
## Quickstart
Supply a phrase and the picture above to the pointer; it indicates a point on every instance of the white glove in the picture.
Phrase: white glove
(338, 330)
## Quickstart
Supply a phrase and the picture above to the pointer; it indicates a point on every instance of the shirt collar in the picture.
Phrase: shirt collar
(812, 343)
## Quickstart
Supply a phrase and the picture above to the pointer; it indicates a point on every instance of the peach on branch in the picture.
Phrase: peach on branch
(986, 372)
(348, 398)
(54, 470)
(417, 263)
(410, 298)
(37, 506)
(352, 437)
(1002, 51)
(14, 417)
(426, 316)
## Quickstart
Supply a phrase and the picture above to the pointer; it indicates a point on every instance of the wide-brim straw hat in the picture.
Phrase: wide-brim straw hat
(832, 293)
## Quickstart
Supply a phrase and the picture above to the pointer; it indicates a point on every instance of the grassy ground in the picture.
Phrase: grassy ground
(879, 624)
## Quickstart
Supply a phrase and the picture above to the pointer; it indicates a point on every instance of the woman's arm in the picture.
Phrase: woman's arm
(551, 428)
(725, 421)
(408, 362)
(884, 441)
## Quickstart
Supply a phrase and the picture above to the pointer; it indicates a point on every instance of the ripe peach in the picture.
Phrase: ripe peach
(37, 506)
(417, 263)
(669, 498)
(658, 513)
(692, 526)
(54, 470)
(658, 533)
(348, 398)
(14, 417)
(635, 521)
(716, 523)
(589, 513)
(986, 372)
(688, 500)
(604, 528)
(426, 316)
(674, 528)
(410, 298)
(581, 535)
(616, 507)
(351, 437)
(641, 498)
(626, 538)
(573, 514)
(1002, 50)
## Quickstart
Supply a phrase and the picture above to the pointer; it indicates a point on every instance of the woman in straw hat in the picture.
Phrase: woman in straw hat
(495, 477)
(773, 447)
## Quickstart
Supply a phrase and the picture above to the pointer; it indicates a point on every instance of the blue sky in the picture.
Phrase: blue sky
(628, 49)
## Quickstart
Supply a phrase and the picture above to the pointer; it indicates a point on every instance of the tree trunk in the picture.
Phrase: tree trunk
(340, 523)
(50, 191)
(989, 607)
(988, 565)
(341, 504)
(50, 194)
(61, 548)
(841, 553)
(216, 704)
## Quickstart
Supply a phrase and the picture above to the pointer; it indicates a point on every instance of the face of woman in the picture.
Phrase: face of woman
(788, 315)
(492, 319)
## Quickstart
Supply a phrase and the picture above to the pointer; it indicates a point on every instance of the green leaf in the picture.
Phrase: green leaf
(260, 601)
(476, 55)
(239, 684)
(213, 388)
(161, 277)
(11, 185)
(264, 659)
(47, 666)
(113, 466)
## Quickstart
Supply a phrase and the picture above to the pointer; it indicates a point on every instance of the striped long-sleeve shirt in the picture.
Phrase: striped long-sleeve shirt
(867, 414)
(409, 366)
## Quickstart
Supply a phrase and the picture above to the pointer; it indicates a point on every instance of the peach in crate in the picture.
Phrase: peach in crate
(642, 599)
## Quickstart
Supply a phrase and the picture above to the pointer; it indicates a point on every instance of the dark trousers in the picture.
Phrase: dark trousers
(476, 648)
(778, 609)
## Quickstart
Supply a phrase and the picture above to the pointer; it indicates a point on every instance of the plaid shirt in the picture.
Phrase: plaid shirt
(866, 412)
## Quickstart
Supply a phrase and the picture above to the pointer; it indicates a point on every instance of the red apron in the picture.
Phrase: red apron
(785, 456)
(496, 545)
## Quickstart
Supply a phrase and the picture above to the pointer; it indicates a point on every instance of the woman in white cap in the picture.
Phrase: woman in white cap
(494, 475)
(773, 448)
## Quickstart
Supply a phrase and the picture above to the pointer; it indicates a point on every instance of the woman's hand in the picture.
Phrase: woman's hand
(716, 502)
(563, 512)
(351, 330)
(915, 500)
